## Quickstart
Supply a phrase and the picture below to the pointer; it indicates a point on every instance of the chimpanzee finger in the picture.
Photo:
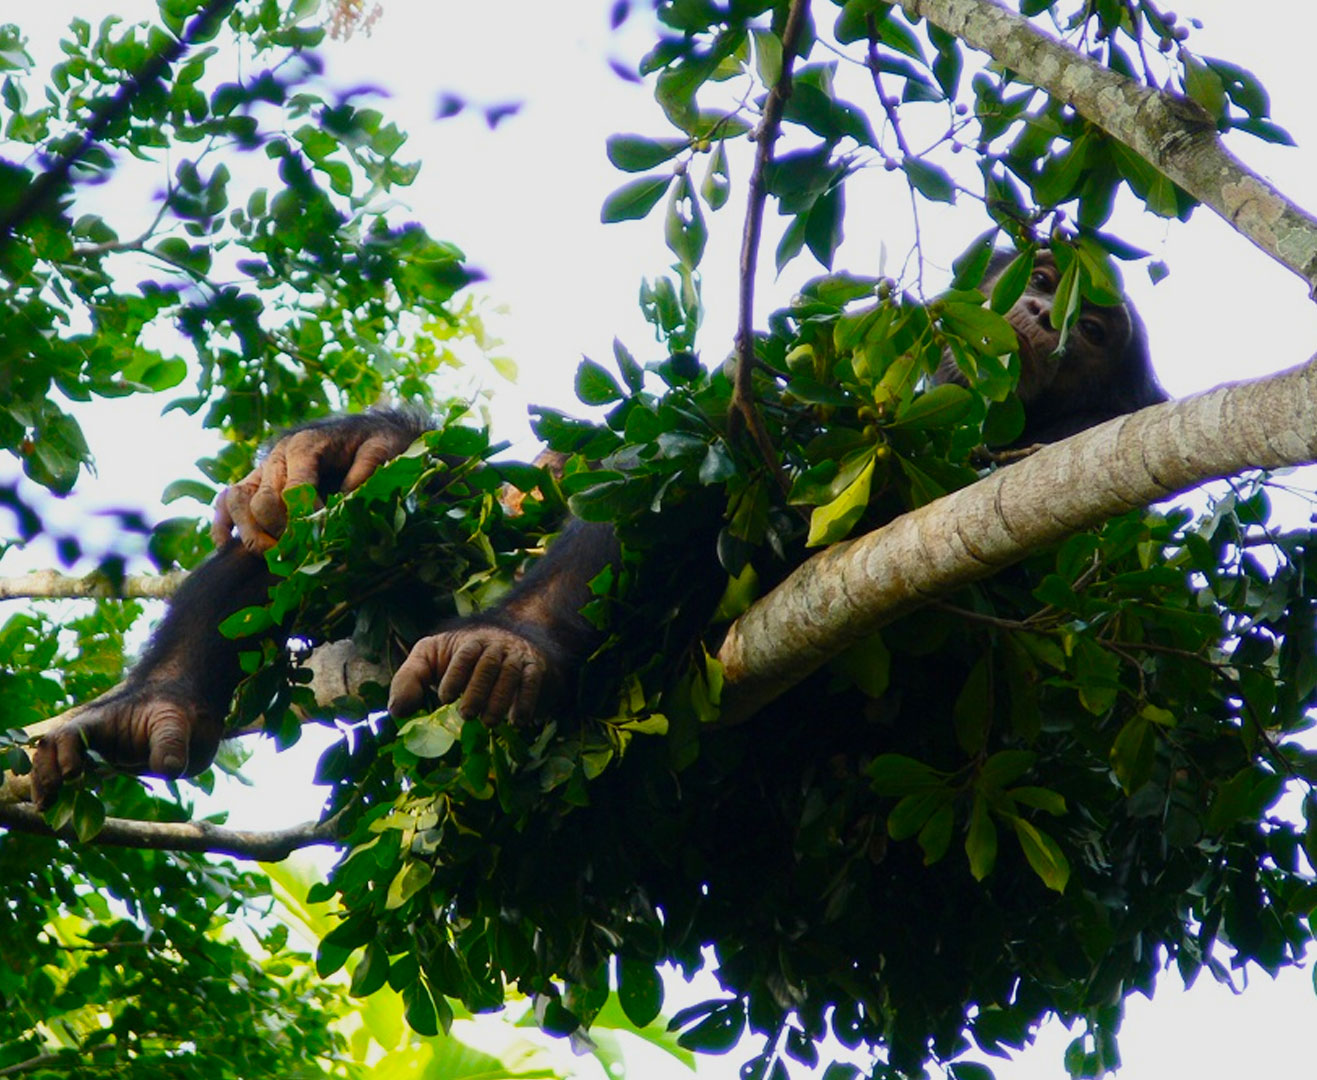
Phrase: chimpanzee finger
(528, 693)
(169, 733)
(455, 676)
(503, 696)
(253, 536)
(370, 455)
(417, 673)
(476, 698)
(58, 757)
(266, 505)
(221, 528)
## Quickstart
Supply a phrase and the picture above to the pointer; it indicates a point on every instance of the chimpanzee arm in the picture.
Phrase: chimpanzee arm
(502, 663)
(167, 717)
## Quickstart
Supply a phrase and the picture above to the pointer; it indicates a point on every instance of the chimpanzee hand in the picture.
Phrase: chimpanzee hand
(150, 728)
(493, 673)
(334, 455)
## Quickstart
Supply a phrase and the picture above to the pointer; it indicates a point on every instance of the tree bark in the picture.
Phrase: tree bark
(52, 585)
(272, 846)
(853, 588)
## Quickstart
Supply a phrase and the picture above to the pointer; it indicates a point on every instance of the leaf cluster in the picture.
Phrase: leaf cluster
(104, 977)
(1023, 802)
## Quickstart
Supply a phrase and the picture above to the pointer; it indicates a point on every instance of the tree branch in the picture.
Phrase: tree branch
(52, 585)
(337, 671)
(743, 402)
(1175, 134)
(271, 846)
(851, 589)
(35, 1064)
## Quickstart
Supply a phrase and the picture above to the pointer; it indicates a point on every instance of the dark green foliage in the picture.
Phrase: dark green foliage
(1020, 803)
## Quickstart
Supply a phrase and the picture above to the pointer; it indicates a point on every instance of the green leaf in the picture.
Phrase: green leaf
(634, 200)
(1004, 767)
(931, 181)
(969, 1070)
(768, 56)
(684, 230)
(639, 990)
(867, 664)
(717, 183)
(972, 263)
(981, 840)
(718, 1032)
(419, 1010)
(429, 736)
(407, 882)
(177, 251)
(1011, 283)
(248, 621)
(371, 972)
(1046, 858)
(824, 225)
(188, 489)
(632, 373)
(1039, 798)
(88, 816)
(896, 774)
(832, 522)
(1067, 299)
(1203, 85)
(636, 153)
(1133, 753)
(935, 836)
(594, 384)
(972, 713)
(910, 814)
(1265, 130)
(982, 328)
(940, 407)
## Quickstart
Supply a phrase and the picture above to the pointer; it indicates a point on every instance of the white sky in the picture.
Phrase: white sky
(524, 203)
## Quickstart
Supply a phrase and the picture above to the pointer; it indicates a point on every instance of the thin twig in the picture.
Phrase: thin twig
(743, 402)
(888, 104)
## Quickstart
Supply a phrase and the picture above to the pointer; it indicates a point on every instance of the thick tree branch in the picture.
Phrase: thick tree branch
(852, 589)
(271, 846)
(52, 585)
(1174, 134)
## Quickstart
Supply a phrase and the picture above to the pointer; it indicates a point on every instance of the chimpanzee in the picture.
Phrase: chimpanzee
(1102, 372)
(168, 716)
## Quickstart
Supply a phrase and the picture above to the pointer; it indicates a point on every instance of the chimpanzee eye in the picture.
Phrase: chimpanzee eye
(1093, 330)
(1042, 281)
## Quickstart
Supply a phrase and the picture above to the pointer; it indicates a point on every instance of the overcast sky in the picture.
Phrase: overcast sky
(523, 201)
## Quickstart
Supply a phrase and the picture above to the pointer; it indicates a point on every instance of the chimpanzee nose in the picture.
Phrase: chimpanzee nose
(1041, 310)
